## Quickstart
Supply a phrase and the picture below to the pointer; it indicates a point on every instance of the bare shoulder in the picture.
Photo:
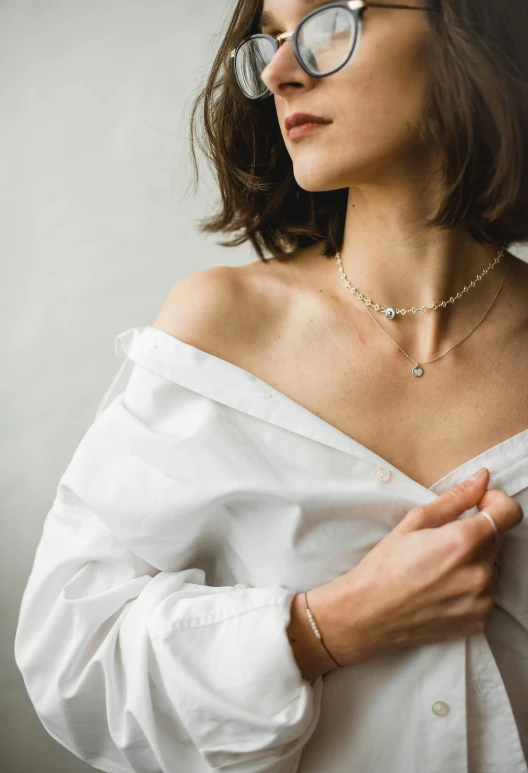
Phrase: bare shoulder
(222, 310)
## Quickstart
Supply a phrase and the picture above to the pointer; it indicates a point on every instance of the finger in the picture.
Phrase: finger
(477, 531)
(496, 534)
(491, 552)
(447, 507)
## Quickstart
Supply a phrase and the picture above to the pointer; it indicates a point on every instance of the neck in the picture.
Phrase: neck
(391, 258)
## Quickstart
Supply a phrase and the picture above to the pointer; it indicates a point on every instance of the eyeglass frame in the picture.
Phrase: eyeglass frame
(356, 7)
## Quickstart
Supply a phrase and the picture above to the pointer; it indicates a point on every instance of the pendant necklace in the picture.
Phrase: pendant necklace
(390, 313)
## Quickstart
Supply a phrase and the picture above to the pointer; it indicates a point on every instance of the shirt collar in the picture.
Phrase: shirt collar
(231, 385)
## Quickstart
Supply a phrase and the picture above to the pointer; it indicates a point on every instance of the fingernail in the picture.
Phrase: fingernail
(479, 473)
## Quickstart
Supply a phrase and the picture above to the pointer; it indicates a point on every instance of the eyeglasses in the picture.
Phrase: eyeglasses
(324, 41)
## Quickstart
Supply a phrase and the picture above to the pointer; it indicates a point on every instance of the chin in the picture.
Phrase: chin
(315, 186)
(314, 173)
(321, 177)
(320, 165)
(326, 171)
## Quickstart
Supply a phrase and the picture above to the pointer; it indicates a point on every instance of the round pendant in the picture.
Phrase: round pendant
(390, 313)
(418, 371)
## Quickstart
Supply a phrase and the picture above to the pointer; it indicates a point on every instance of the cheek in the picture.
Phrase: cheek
(377, 107)
(385, 93)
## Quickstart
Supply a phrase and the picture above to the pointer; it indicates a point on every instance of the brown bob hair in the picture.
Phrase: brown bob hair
(477, 114)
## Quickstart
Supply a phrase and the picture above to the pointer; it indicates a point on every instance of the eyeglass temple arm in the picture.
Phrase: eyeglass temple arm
(356, 5)
(367, 4)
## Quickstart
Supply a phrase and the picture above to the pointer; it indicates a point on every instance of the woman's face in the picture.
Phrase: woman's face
(375, 103)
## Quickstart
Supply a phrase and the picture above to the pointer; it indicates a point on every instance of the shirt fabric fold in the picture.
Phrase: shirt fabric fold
(152, 631)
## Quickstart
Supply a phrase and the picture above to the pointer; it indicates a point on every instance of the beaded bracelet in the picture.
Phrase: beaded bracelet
(316, 630)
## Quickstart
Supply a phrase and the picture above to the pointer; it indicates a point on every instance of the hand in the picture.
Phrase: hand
(430, 579)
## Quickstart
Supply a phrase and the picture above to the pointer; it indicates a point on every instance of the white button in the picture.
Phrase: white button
(440, 708)
(382, 474)
(240, 585)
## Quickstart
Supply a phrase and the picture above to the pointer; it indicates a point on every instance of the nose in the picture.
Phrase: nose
(284, 71)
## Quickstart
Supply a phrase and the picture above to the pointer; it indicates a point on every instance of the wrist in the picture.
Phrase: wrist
(345, 619)
(311, 657)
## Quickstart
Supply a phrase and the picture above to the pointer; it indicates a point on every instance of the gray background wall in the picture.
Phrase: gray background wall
(97, 224)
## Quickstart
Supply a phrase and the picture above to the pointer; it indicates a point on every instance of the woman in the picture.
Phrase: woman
(261, 555)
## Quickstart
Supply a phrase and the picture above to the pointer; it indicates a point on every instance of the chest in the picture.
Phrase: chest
(465, 403)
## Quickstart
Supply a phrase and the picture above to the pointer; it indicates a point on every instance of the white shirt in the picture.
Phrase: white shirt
(152, 632)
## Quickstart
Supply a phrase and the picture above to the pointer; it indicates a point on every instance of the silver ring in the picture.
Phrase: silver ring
(490, 519)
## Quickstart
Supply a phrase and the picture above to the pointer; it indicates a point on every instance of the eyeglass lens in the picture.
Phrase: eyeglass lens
(325, 41)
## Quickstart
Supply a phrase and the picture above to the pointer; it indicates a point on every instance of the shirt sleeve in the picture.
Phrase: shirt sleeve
(131, 659)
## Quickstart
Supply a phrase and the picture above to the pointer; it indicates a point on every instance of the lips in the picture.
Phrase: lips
(299, 119)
